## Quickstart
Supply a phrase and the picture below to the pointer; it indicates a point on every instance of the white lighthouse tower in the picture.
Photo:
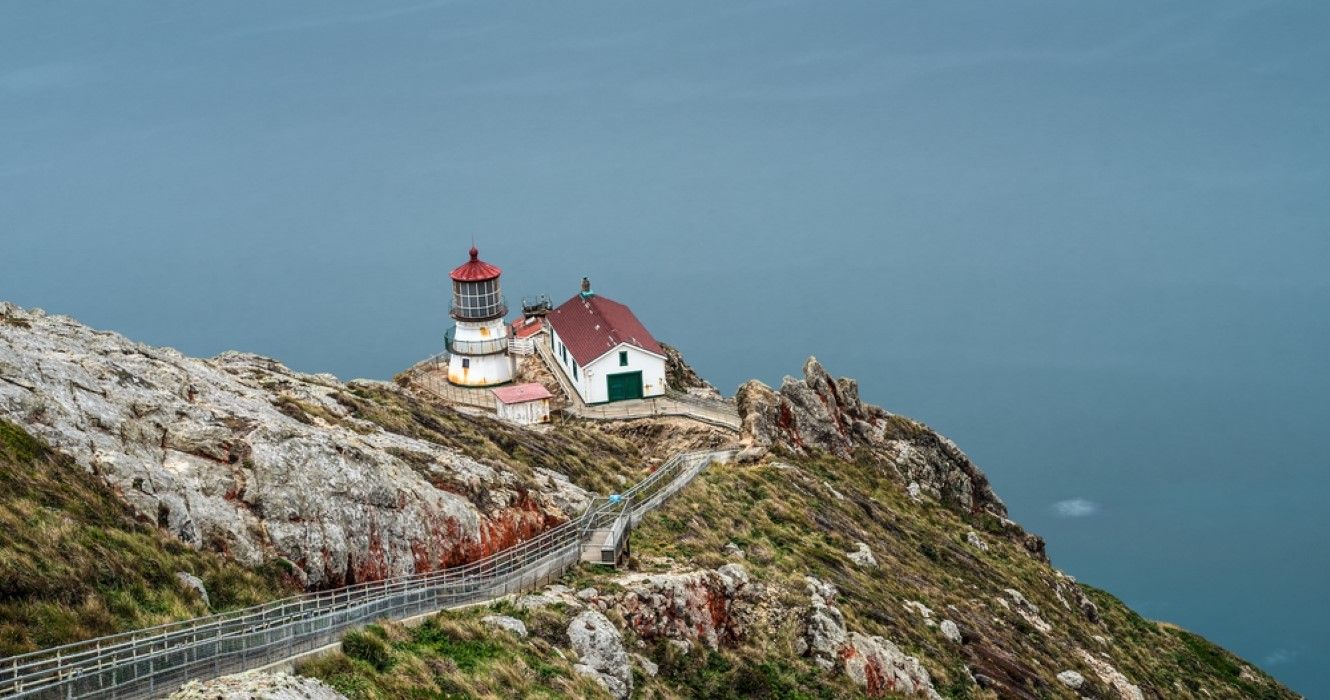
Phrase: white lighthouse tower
(478, 344)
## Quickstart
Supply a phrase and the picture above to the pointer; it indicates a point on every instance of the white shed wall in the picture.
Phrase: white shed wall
(525, 413)
(590, 381)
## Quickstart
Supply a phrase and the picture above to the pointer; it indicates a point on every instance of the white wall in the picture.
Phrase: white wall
(525, 413)
(481, 370)
(591, 383)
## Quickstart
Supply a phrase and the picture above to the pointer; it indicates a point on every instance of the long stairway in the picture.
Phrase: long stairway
(153, 662)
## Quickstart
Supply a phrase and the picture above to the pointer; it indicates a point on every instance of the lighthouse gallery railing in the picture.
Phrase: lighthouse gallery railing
(153, 661)
(473, 347)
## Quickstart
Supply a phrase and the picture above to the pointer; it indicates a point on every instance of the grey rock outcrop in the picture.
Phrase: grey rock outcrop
(195, 584)
(880, 667)
(873, 663)
(862, 556)
(709, 607)
(951, 631)
(1071, 679)
(599, 648)
(255, 684)
(1027, 610)
(683, 377)
(504, 622)
(241, 455)
(1119, 683)
(822, 414)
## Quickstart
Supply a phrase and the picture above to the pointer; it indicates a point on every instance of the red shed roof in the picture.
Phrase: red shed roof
(475, 269)
(521, 393)
(527, 327)
(594, 325)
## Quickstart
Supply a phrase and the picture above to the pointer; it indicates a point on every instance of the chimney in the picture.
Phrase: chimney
(586, 288)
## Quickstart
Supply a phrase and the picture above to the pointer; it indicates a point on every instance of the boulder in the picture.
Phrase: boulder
(950, 631)
(599, 648)
(1071, 679)
(1027, 610)
(880, 667)
(709, 607)
(1122, 686)
(256, 684)
(504, 622)
(195, 584)
(862, 556)
(648, 666)
(873, 663)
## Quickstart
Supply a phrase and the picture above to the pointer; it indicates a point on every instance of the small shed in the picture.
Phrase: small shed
(524, 332)
(523, 404)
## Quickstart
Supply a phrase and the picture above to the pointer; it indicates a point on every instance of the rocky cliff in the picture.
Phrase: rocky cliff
(822, 415)
(852, 552)
(241, 455)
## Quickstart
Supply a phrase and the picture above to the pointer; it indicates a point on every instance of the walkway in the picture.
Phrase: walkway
(153, 662)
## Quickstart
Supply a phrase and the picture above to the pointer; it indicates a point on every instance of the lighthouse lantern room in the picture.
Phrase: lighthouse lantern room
(478, 344)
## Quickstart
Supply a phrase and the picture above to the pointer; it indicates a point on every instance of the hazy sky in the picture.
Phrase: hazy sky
(1088, 242)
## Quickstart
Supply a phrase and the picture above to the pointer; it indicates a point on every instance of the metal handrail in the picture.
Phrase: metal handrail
(144, 662)
(473, 347)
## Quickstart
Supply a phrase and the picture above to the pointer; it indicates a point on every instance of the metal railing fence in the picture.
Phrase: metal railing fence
(149, 662)
(489, 346)
(470, 396)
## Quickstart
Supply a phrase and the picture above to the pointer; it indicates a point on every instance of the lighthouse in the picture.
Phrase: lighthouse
(478, 344)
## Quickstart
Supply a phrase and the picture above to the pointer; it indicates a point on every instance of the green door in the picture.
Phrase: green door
(627, 385)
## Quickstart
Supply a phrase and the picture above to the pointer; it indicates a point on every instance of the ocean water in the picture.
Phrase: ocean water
(1089, 244)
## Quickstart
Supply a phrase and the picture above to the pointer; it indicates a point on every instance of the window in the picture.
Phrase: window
(477, 299)
(574, 370)
(623, 358)
(466, 363)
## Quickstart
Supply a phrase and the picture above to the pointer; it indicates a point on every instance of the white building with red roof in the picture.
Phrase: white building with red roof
(524, 404)
(478, 343)
(606, 353)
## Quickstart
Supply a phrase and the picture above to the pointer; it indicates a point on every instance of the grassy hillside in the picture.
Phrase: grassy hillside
(796, 518)
(453, 656)
(76, 564)
(790, 521)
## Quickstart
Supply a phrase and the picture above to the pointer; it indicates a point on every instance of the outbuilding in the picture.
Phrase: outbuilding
(524, 404)
(604, 351)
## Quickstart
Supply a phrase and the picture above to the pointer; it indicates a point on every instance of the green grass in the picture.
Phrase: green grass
(590, 457)
(77, 564)
(790, 525)
(453, 655)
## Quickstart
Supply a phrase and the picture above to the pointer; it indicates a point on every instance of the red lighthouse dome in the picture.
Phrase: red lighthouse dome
(476, 293)
(475, 269)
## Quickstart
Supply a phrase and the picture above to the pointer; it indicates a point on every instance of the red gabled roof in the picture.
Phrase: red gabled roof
(475, 269)
(521, 393)
(593, 326)
(527, 327)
